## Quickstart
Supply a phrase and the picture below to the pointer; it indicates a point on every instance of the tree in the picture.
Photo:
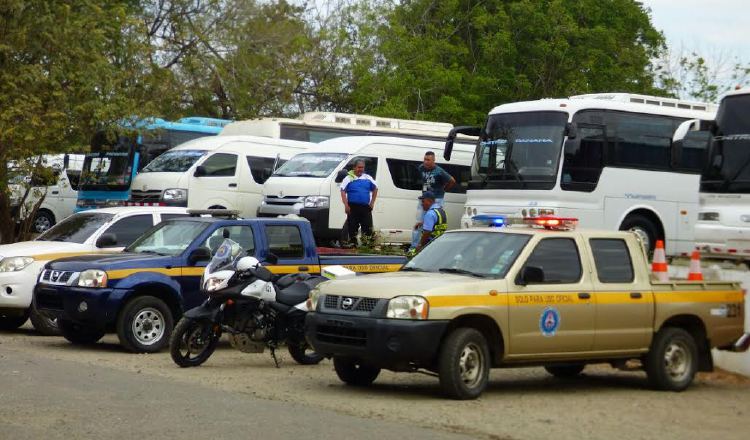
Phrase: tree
(66, 68)
(453, 60)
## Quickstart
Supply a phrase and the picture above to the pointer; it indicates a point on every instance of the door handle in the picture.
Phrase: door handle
(636, 295)
(233, 185)
(584, 295)
(54, 193)
(303, 268)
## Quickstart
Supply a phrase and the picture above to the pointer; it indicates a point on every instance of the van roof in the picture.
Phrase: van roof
(355, 144)
(211, 143)
(245, 144)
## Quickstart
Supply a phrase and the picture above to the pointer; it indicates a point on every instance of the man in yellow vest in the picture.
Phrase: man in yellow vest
(435, 221)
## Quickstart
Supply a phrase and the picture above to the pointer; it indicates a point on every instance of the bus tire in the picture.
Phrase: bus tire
(644, 227)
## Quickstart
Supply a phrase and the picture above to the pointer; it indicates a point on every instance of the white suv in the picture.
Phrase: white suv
(94, 231)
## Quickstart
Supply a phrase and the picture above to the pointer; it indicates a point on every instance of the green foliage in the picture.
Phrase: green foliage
(374, 244)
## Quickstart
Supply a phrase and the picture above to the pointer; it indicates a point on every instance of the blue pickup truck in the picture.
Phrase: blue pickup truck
(141, 292)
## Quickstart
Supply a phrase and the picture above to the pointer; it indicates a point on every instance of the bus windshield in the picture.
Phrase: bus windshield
(521, 150)
(174, 161)
(729, 167)
(311, 165)
(106, 170)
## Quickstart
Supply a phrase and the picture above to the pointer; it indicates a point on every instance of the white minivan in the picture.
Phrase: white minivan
(308, 184)
(232, 176)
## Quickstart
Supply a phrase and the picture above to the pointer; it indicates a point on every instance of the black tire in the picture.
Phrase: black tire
(303, 354)
(192, 342)
(79, 334)
(354, 372)
(644, 225)
(565, 371)
(670, 347)
(13, 321)
(470, 345)
(43, 221)
(145, 325)
(42, 322)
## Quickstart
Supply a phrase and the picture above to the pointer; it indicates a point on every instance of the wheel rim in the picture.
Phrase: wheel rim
(642, 235)
(195, 340)
(471, 365)
(677, 361)
(148, 326)
(42, 223)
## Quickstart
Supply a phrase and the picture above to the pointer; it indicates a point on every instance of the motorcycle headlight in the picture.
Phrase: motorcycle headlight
(312, 301)
(316, 202)
(92, 278)
(175, 195)
(408, 307)
(213, 283)
(14, 264)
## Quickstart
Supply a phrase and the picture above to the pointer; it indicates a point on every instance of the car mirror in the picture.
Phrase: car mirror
(198, 255)
(571, 131)
(107, 239)
(200, 171)
(531, 275)
(341, 175)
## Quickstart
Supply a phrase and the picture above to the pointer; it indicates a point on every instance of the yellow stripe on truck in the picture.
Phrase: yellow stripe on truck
(124, 273)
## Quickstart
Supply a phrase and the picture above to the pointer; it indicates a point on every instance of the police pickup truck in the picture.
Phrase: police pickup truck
(141, 292)
(536, 295)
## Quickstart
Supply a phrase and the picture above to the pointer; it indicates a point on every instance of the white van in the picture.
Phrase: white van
(232, 176)
(59, 199)
(308, 184)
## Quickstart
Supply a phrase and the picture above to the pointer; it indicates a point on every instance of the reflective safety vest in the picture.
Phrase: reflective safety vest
(442, 224)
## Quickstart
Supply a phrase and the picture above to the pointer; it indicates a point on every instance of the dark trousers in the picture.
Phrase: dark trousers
(359, 216)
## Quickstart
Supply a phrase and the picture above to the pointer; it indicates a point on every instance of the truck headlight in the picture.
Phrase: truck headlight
(93, 278)
(312, 301)
(408, 307)
(175, 195)
(316, 202)
(14, 264)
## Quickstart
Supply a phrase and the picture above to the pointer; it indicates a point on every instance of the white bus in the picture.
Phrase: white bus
(723, 227)
(317, 127)
(605, 159)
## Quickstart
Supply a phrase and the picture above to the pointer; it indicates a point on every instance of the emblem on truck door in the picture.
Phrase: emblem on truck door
(549, 322)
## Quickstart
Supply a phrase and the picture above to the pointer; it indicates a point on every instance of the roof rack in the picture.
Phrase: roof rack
(228, 213)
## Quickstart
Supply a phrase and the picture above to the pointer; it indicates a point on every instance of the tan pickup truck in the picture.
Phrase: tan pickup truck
(476, 299)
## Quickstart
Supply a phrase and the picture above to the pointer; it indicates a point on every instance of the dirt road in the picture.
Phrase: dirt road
(519, 404)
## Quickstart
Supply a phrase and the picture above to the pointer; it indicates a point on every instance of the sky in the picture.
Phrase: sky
(704, 25)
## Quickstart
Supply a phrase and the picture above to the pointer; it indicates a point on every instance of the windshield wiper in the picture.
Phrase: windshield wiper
(460, 272)
(149, 251)
(412, 269)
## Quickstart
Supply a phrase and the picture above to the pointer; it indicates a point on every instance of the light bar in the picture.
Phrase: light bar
(496, 221)
(548, 222)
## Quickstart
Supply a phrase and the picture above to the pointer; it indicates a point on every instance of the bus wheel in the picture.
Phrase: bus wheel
(644, 227)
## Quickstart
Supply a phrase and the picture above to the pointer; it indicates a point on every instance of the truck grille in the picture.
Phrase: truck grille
(350, 303)
(48, 299)
(342, 335)
(145, 196)
(286, 200)
(57, 277)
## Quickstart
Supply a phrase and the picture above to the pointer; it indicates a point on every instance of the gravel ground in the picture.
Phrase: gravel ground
(519, 404)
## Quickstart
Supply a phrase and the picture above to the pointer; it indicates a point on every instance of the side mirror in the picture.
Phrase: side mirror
(272, 259)
(571, 131)
(106, 240)
(718, 161)
(684, 128)
(530, 275)
(66, 161)
(468, 130)
(341, 175)
(198, 255)
(200, 171)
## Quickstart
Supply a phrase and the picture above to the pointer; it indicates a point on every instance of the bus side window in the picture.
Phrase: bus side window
(584, 159)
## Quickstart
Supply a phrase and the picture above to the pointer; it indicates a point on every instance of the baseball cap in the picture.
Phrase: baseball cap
(427, 195)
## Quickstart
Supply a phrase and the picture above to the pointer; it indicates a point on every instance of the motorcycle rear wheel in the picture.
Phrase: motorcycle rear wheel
(192, 342)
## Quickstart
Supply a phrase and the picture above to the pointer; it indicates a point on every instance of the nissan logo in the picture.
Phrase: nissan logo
(55, 275)
(347, 303)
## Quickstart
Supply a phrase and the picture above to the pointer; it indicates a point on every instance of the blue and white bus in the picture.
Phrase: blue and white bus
(110, 167)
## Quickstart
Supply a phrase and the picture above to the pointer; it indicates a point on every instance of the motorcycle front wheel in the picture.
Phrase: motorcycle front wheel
(192, 342)
(303, 353)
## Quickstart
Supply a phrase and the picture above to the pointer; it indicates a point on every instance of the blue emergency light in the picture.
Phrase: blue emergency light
(497, 221)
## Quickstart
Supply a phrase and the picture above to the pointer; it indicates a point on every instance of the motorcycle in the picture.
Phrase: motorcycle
(256, 308)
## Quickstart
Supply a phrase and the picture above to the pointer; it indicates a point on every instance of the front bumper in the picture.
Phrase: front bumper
(64, 302)
(386, 343)
(741, 345)
(16, 288)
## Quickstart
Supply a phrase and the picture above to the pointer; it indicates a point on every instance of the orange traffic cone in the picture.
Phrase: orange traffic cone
(695, 273)
(659, 265)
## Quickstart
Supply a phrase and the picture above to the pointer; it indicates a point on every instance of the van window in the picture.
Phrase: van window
(371, 165)
(559, 259)
(220, 165)
(405, 173)
(73, 177)
(285, 241)
(612, 259)
(461, 173)
(262, 167)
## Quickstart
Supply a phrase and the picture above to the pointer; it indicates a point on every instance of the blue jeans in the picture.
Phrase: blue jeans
(416, 234)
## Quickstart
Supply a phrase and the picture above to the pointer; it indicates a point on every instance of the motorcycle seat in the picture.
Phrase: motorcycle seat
(294, 294)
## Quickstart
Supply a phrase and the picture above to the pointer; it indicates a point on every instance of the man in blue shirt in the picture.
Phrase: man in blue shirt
(436, 181)
(358, 192)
